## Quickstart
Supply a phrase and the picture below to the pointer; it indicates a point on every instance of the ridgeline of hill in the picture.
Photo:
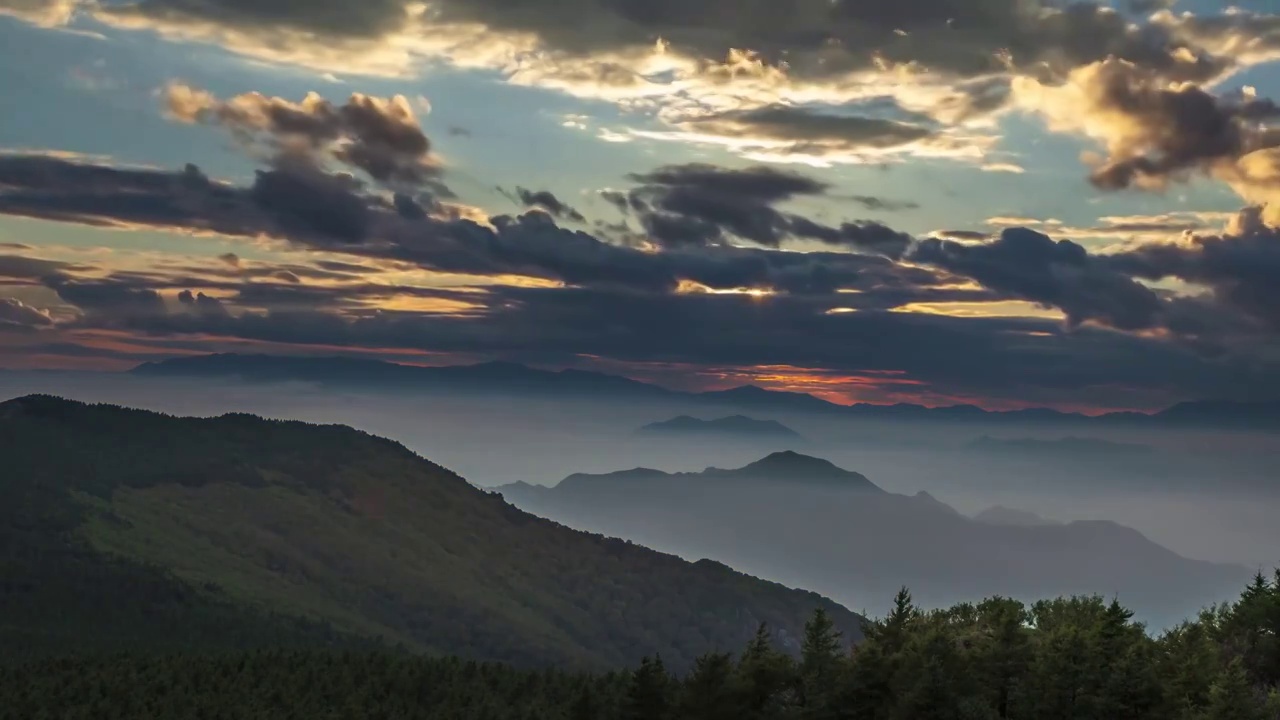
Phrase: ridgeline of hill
(123, 529)
(808, 522)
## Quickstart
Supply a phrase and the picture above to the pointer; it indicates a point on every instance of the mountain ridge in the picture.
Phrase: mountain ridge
(330, 526)
(785, 467)
(858, 547)
(515, 377)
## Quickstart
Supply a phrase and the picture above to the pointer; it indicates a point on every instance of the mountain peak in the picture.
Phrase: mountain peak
(792, 460)
(789, 465)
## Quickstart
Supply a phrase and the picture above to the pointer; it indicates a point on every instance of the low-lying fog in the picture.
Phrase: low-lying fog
(1206, 495)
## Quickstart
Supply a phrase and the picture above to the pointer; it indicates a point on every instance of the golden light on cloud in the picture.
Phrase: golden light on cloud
(429, 305)
(689, 287)
(982, 309)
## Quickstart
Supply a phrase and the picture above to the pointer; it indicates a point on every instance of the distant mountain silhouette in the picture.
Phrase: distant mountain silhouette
(507, 377)
(786, 468)
(802, 520)
(1001, 515)
(1069, 446)
(739, 426)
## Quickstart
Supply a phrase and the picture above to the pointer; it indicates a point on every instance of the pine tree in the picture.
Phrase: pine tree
(1002, 652)
(709, 692)
(765, 676)
(1231, 697)
(821, 662)
(649, 696)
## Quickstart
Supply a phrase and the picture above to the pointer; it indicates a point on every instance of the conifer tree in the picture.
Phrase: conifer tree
(709, 692)
(649, 696)
(1232, 698)
(822, 661)
(765, 675)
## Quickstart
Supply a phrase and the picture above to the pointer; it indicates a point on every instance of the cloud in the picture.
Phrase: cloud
(548, 201)
(702, 205)
(820, 38)
(1240, 266)
(45, 13)
(872, 202)
(1155, 134)
(1017, 359)
(379, 136)
(748, 75)
(107, 298)
(1032, 266)
(786, 133)
(329, 212)
(14, 314)
(24, 270)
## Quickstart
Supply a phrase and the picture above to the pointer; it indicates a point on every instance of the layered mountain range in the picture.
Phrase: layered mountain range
(803, 520)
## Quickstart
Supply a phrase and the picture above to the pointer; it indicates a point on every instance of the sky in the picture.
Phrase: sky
(1004, 202)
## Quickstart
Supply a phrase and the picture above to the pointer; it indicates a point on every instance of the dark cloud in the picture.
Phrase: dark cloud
(1020, 359)
(872, 202)
(635, 286)
(27, 269)
(1032, 266)
(107, 298)
(379, 136)
(703, 205)
(817, 39)
(336, 18)
(548, 201)
(15, 314)
(329, 212)
(1241, 267)
(313, 203)
(1155, 133)
(203, 304)
(49, 188)
(1168, 132)
(811, 131)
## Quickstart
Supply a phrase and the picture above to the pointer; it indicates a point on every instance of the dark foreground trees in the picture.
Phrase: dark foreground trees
(1064, 659)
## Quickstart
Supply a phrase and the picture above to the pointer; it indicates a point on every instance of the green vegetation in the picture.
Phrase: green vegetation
(1065, 659)
(124, 530)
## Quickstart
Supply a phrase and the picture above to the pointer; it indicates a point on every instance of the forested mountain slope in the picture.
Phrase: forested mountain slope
(130, 529)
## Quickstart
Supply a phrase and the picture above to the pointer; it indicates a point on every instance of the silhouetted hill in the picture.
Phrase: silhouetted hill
(739, 426)
(126, 529)
(506, 377)
(799, 520)
(786, 468)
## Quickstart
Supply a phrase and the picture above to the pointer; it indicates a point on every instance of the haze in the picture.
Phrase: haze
(1207, 495)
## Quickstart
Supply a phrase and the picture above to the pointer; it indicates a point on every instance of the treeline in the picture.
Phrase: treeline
(1064, 659)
